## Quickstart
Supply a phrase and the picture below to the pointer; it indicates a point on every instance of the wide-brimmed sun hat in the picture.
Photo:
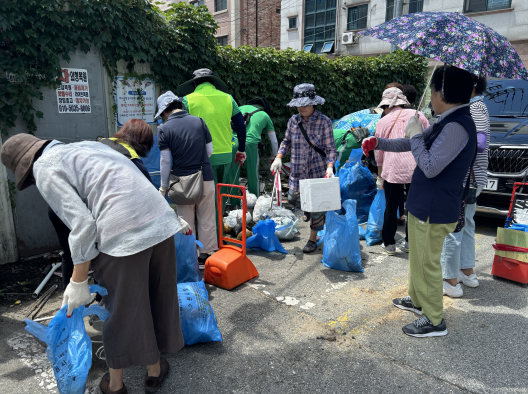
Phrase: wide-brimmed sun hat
(18, 154)
(304, 95)
(165, 100)
(393, 97)
(188, 87)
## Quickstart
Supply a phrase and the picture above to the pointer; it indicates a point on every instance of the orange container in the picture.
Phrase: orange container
(229, 267)
(511, 269)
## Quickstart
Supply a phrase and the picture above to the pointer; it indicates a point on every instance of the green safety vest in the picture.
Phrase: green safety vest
(215, 108)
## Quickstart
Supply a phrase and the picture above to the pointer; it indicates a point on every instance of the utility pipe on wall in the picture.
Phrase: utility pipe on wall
(398, 11)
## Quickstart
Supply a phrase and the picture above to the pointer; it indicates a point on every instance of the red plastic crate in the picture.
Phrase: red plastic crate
(511, 269)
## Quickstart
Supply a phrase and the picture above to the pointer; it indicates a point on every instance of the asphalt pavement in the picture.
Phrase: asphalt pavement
(303, 328)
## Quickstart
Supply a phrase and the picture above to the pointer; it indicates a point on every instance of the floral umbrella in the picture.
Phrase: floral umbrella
(454, 39)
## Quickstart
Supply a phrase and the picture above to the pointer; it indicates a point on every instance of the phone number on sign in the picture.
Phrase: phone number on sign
(74, 108)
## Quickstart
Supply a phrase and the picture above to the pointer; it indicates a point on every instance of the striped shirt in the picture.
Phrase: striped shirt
(479, 113)
(398, 167)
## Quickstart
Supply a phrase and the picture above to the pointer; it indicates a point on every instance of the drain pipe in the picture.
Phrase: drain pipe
(46, 279)
(398, 11)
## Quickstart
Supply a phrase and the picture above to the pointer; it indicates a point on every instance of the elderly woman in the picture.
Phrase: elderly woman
(123, 229)
(443, 153)
(395, 169)
(310, 139)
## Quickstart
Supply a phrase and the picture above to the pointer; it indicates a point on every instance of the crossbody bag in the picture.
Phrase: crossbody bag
(188, 189)
(315, 148)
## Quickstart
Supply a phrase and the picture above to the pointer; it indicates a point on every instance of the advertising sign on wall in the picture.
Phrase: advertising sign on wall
(73, 96)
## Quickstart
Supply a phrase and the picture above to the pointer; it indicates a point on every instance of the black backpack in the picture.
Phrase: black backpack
(247, 117)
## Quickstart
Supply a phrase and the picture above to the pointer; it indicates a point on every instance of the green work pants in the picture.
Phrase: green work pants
(252, 168)
(426, 241)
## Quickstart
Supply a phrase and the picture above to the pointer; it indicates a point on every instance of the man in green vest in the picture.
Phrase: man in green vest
(205, 96)
(257, 118)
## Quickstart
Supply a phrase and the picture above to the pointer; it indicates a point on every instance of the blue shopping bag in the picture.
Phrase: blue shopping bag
(264, 237)
(375, 220)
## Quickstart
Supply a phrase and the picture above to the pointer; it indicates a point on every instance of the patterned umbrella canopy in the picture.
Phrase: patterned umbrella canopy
(454, 39)
(363, 117)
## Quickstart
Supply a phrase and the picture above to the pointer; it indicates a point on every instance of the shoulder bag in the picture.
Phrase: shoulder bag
(315, 148)
(188, 189)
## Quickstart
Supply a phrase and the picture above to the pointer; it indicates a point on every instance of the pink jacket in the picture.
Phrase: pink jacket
(397, 167)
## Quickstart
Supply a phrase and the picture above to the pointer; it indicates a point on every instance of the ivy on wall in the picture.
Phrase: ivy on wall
(36, 34)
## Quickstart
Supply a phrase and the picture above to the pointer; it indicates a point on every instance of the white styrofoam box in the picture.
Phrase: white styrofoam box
(320, 195)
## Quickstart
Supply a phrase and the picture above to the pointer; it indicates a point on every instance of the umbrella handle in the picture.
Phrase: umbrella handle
(428, 83)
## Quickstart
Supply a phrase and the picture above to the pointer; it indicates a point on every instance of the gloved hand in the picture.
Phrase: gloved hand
(369, 144)
(276, 165)
(76, 295)
(186, 229)
(329, 172)
(379, 183)
(163, 191)
(414, 126)
(360, 133)
(240, 157)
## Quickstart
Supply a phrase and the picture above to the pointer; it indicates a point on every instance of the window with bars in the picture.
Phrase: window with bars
(222, 40)
(357, 17)
(415, 6)
(485, 5)
(319, 24)
(220, 5)
(389, 12)
(292, 23)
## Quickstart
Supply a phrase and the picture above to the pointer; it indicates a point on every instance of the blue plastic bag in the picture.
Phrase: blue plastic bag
(187, 258)
(69, 346)
(357, 184)
(341, 249)
(362, 231)
(375, 220)
(264, 237)
(198, 321)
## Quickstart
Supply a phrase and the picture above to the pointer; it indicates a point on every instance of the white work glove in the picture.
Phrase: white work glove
(329, 172)
(163, 191)
(76, 295)
(276, 165)
(414, 126)
(379, 183)
(186, 229)
(240, 158)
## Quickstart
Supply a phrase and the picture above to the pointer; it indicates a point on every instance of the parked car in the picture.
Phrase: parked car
(507, 103)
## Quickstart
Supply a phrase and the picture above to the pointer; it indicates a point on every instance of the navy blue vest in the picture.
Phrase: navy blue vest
(440, 198)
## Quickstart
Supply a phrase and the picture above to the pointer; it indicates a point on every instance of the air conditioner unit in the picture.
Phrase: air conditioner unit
(349, 38)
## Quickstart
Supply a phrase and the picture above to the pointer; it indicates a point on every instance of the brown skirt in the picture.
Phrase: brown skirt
(143, 304)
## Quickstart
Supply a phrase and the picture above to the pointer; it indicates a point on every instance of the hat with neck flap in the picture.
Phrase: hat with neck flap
(199, 75)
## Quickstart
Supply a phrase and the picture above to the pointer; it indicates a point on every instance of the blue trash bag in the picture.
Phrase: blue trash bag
(362, 232)
(198, 321)
(341, 249)
(187, 258)
(375, 219)
(356, 183)
(264, 237)
(69, 346)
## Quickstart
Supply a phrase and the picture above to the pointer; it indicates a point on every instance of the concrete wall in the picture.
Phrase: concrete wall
(291, 38)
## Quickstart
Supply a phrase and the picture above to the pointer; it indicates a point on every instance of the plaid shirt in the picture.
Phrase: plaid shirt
(306, 163)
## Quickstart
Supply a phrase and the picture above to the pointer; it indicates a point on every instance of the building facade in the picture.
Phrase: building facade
(319, 26)
(243, 22)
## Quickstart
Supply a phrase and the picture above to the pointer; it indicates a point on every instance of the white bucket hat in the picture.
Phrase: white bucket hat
(165, 100)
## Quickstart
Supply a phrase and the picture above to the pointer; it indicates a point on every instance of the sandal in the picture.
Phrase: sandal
(310, 247)
(153, 383)
(104, 386)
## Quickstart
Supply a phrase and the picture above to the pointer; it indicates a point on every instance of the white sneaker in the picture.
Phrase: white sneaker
(469, 281)
(453, 291)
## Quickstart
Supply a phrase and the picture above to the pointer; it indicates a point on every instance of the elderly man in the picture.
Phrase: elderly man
(123, 229)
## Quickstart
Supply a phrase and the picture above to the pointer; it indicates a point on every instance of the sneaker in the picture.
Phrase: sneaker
(406, 304)
(390, 249)
(404, 247)
(453, 291)
(469, 281)
(423, 328)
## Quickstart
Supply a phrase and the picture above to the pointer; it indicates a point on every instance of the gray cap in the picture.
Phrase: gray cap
(164, 101)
